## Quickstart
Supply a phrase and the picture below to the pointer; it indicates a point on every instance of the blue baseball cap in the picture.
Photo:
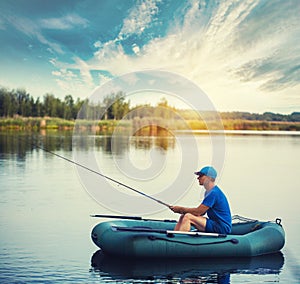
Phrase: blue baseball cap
(207, 171)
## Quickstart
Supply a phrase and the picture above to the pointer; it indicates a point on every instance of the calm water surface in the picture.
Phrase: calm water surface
(45, 208)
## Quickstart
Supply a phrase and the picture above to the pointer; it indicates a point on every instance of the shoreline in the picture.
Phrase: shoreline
(241, 132)
(152, 125)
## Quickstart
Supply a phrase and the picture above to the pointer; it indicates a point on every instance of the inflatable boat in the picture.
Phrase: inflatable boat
(157, 239)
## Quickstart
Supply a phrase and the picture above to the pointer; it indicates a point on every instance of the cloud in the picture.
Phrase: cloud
(35, 28)
(66, 22)
(67, 74)
(103, 78)
(84, 71)
(71, 82)
(185, 46)
(31, 29)
(236, 51)
(139, 18)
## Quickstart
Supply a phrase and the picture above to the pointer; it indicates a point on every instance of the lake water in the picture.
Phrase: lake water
(46, 203)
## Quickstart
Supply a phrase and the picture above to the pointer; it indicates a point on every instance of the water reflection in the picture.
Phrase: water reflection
(18, 147)
(19, 144)
(214, 270)
(163, 142)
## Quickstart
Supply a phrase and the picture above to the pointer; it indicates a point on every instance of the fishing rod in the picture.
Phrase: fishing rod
(102, 175)
(138, 218)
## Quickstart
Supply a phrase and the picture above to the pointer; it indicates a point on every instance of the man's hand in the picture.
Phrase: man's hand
(178, 209)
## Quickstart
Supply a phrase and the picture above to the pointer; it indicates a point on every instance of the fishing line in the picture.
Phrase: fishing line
(102, 175)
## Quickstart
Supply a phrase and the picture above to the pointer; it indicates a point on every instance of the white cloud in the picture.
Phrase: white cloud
(64, 73)
(135, 49)
(139, 18)
(64, 23)
(32, 29)
(71, 83)
(103, 78)
(53, 61)
(98, 44)
(56, 73)
(185, 47)
(236, 71)
(84, 71)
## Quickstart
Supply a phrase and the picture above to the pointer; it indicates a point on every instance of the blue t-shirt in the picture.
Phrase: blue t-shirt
(219, 210)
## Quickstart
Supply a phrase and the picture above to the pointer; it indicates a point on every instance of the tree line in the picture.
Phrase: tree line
(266, 116)
(20, 103)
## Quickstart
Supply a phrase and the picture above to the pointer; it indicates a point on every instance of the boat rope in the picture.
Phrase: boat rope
(240, 219)
(237, 219)
(154, 238)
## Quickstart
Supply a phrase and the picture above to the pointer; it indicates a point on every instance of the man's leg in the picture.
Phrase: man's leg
(186, 220)
(178, 225)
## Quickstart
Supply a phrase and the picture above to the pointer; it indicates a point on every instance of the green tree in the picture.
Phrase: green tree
(53, 106)
(8, 106)
(23, 103)
(115, 106)
(76, 108)
(295, 116)
(68, 107)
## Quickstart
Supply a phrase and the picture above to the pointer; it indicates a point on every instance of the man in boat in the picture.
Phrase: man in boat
(214, 204)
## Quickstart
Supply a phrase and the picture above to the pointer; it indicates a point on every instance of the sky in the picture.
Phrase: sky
(244, 54)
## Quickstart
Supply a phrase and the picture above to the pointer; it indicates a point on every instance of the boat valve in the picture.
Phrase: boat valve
(94, 236)
(234, 241)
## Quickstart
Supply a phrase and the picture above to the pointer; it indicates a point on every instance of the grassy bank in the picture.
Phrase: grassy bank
(108, 126)
(54, 123)
(238, 124)
(35, 123)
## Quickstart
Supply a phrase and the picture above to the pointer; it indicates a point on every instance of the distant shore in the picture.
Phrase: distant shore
(19, 111)
(104, 126)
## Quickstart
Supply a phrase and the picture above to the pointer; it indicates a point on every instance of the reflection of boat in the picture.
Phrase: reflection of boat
(153, 238)
(189, 268)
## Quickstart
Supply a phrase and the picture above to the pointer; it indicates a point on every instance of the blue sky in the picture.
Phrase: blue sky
(244, 54)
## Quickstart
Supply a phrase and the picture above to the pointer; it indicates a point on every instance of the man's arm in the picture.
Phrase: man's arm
(198, 211)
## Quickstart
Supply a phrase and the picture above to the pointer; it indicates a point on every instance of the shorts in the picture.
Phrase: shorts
(214, 227)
